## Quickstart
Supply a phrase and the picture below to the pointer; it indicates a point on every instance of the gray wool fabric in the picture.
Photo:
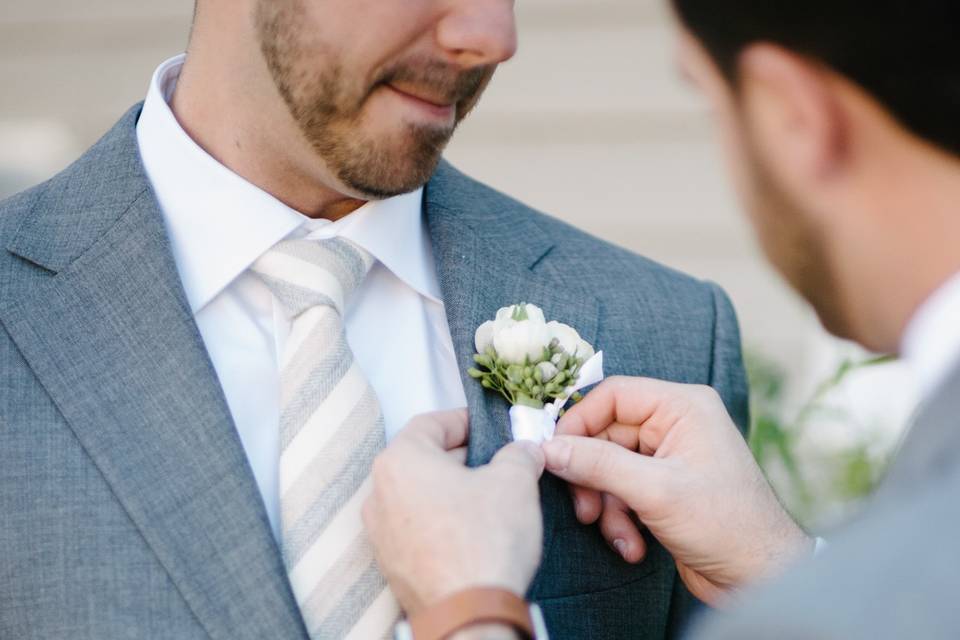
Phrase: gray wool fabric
(127, 505)
(892, 573)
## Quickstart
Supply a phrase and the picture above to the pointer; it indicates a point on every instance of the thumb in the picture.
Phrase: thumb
(526, 456)
(604, 466)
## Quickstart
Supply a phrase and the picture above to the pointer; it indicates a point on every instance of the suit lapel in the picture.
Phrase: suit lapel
(487, 259)
(105, 326)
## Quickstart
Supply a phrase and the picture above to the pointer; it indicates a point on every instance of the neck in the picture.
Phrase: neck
(912, 246)
(227, 103)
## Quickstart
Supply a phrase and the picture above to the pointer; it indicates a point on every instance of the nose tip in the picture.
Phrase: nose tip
(479, 33)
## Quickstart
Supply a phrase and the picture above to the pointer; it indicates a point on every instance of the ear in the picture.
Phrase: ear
(793, 114)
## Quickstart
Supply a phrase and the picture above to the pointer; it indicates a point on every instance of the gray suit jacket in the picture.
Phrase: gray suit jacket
(127, 506)
(895, 572)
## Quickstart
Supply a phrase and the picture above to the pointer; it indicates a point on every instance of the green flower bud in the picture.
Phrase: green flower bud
(486, 383)
(528, 383)
(483, 361)
(475, 373)
(527, 401)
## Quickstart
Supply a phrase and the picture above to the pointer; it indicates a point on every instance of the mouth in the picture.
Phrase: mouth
(432, 106)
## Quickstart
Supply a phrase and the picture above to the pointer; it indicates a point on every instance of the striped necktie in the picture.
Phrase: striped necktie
(331, 428)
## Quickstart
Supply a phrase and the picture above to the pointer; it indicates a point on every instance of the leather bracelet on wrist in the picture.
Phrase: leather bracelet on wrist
(473, 607)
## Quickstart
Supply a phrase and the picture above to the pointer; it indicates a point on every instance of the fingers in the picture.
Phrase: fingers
(617, 399)
(620, 530)
(638, 413)
(587, 503)
(525, 456)
(604, 466)
(444, 429)
(459, 455)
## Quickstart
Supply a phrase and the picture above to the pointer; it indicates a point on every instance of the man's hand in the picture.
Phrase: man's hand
(671, 454)
(439, 528)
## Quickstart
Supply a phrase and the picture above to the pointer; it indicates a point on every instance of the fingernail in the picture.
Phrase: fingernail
(621, 547)
(557, 453)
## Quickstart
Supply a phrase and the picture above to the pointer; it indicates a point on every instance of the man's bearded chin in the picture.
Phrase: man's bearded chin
(385, 165)
(332, 119)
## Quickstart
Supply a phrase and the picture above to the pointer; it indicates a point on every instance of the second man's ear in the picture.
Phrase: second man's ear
(792, 113)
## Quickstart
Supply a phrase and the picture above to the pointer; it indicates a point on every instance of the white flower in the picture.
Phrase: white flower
(484, 336)
(570, 341)
(566, 335)
(585, 350)
(518, 335)
(522, 342)
(509, 314)
(547, 371)
(533, 364)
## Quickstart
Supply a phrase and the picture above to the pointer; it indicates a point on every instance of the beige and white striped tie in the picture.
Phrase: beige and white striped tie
(331, 428)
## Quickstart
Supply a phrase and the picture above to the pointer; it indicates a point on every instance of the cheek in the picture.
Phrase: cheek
(742, 166)
(373, 34)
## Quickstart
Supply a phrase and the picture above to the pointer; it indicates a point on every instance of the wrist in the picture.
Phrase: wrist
(792, 545)
(481, 613)
(487, 632)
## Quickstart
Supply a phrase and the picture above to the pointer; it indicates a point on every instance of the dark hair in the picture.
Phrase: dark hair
(906, 54)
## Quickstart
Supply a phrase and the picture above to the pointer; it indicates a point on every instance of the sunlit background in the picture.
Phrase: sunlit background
(590, 123)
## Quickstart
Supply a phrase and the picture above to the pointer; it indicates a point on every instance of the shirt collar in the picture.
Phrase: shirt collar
(931, 342)
(219, 223)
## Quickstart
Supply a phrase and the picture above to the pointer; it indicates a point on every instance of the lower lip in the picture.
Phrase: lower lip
(440, 112)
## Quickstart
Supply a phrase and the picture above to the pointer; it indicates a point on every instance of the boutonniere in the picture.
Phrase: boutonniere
(538, 366)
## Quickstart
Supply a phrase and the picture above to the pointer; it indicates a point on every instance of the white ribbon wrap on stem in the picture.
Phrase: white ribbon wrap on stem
(539, 425)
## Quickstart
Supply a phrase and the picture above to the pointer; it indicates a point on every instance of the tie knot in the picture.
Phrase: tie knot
(310, 273)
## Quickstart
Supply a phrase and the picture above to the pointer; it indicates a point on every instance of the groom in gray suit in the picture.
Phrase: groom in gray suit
(214, 319)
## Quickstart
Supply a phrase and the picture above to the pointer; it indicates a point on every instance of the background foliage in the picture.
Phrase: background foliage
(820, 485)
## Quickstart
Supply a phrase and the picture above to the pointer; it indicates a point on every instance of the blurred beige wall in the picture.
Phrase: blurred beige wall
(589, 123)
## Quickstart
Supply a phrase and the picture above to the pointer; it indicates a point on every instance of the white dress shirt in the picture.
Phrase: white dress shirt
(931, 342)
(219, 224)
